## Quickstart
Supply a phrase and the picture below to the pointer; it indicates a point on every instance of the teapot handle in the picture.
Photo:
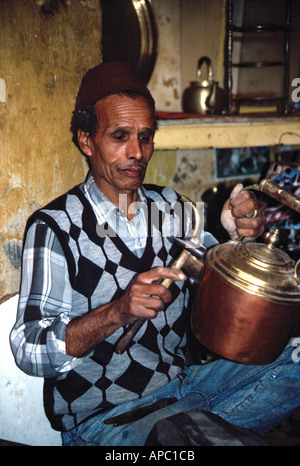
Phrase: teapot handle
(278, 193)
(207, 61)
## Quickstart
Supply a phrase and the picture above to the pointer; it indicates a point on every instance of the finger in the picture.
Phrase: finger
(250, 233)
(147, 306)
(143, 305)
(161, 292)
(250, 226)
(240, 197)
(159, 273)
(143, 313)
(249, 223)
(154, 304)
(245, 207)
(236, 190)
(151, 289)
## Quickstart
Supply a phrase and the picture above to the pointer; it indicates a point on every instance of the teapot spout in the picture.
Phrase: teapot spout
(212, 97)
(194, 263)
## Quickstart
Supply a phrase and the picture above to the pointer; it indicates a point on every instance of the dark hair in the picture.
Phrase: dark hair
(87, 121)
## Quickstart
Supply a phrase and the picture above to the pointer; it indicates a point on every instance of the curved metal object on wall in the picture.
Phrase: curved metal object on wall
(129, 34)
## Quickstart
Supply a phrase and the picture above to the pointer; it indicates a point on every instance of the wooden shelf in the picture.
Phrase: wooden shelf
(227, 131)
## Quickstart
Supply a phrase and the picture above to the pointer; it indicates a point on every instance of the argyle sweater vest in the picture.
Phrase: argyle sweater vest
(100, 268)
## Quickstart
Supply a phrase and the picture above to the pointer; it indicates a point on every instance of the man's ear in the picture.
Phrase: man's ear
(84, 142)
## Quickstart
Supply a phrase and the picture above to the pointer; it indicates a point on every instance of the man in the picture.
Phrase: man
(91, 264)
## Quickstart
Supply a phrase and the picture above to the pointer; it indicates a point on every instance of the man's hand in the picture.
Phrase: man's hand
(235, 209)
(144, 297)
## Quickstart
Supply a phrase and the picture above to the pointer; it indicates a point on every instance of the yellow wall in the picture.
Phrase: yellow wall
(42, 60)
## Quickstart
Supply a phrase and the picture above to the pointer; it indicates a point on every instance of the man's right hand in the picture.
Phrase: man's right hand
(145, 297)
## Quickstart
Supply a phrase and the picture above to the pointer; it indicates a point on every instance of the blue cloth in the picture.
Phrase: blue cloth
(253, 397)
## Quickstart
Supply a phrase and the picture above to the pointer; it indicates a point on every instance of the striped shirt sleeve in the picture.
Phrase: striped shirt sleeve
(38, 337)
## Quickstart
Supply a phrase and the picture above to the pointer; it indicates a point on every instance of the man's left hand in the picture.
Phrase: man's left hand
(235, 209)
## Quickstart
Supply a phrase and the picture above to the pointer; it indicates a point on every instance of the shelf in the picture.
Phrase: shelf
(260, 28)
(234, 33)
(227, 131)
(258, 99)
(257, 64)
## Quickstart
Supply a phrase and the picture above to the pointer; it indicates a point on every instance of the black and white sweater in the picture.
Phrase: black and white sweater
(100, 269)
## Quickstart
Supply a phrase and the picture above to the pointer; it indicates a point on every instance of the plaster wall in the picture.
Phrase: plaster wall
(43, 58)
(165, 83)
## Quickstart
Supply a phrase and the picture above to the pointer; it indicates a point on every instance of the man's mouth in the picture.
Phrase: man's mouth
(133, 170)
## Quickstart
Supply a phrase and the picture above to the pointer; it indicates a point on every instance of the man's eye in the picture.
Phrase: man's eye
(119, 136)
(146, 137)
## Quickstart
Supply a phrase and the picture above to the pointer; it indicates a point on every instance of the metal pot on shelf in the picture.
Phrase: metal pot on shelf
(204, 96)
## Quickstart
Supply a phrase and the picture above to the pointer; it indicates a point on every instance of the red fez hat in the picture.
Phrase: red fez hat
(107, 79)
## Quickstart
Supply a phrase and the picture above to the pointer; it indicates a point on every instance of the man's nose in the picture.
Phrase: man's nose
(135, 149)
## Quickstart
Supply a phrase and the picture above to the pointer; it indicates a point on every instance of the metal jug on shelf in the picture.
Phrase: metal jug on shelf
(204, 96)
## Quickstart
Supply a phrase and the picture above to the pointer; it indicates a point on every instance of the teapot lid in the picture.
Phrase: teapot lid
(261, 270)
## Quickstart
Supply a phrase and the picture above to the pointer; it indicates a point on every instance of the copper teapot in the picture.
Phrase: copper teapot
(247, 304)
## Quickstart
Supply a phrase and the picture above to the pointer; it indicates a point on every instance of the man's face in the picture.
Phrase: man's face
(123, 145)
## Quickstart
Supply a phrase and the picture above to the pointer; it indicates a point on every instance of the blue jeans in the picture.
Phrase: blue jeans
(254, 397)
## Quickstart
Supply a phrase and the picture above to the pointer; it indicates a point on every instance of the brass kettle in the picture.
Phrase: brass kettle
(247, 304)
(204, 96)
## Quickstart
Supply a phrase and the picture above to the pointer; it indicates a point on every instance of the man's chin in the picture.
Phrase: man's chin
(131, 184)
